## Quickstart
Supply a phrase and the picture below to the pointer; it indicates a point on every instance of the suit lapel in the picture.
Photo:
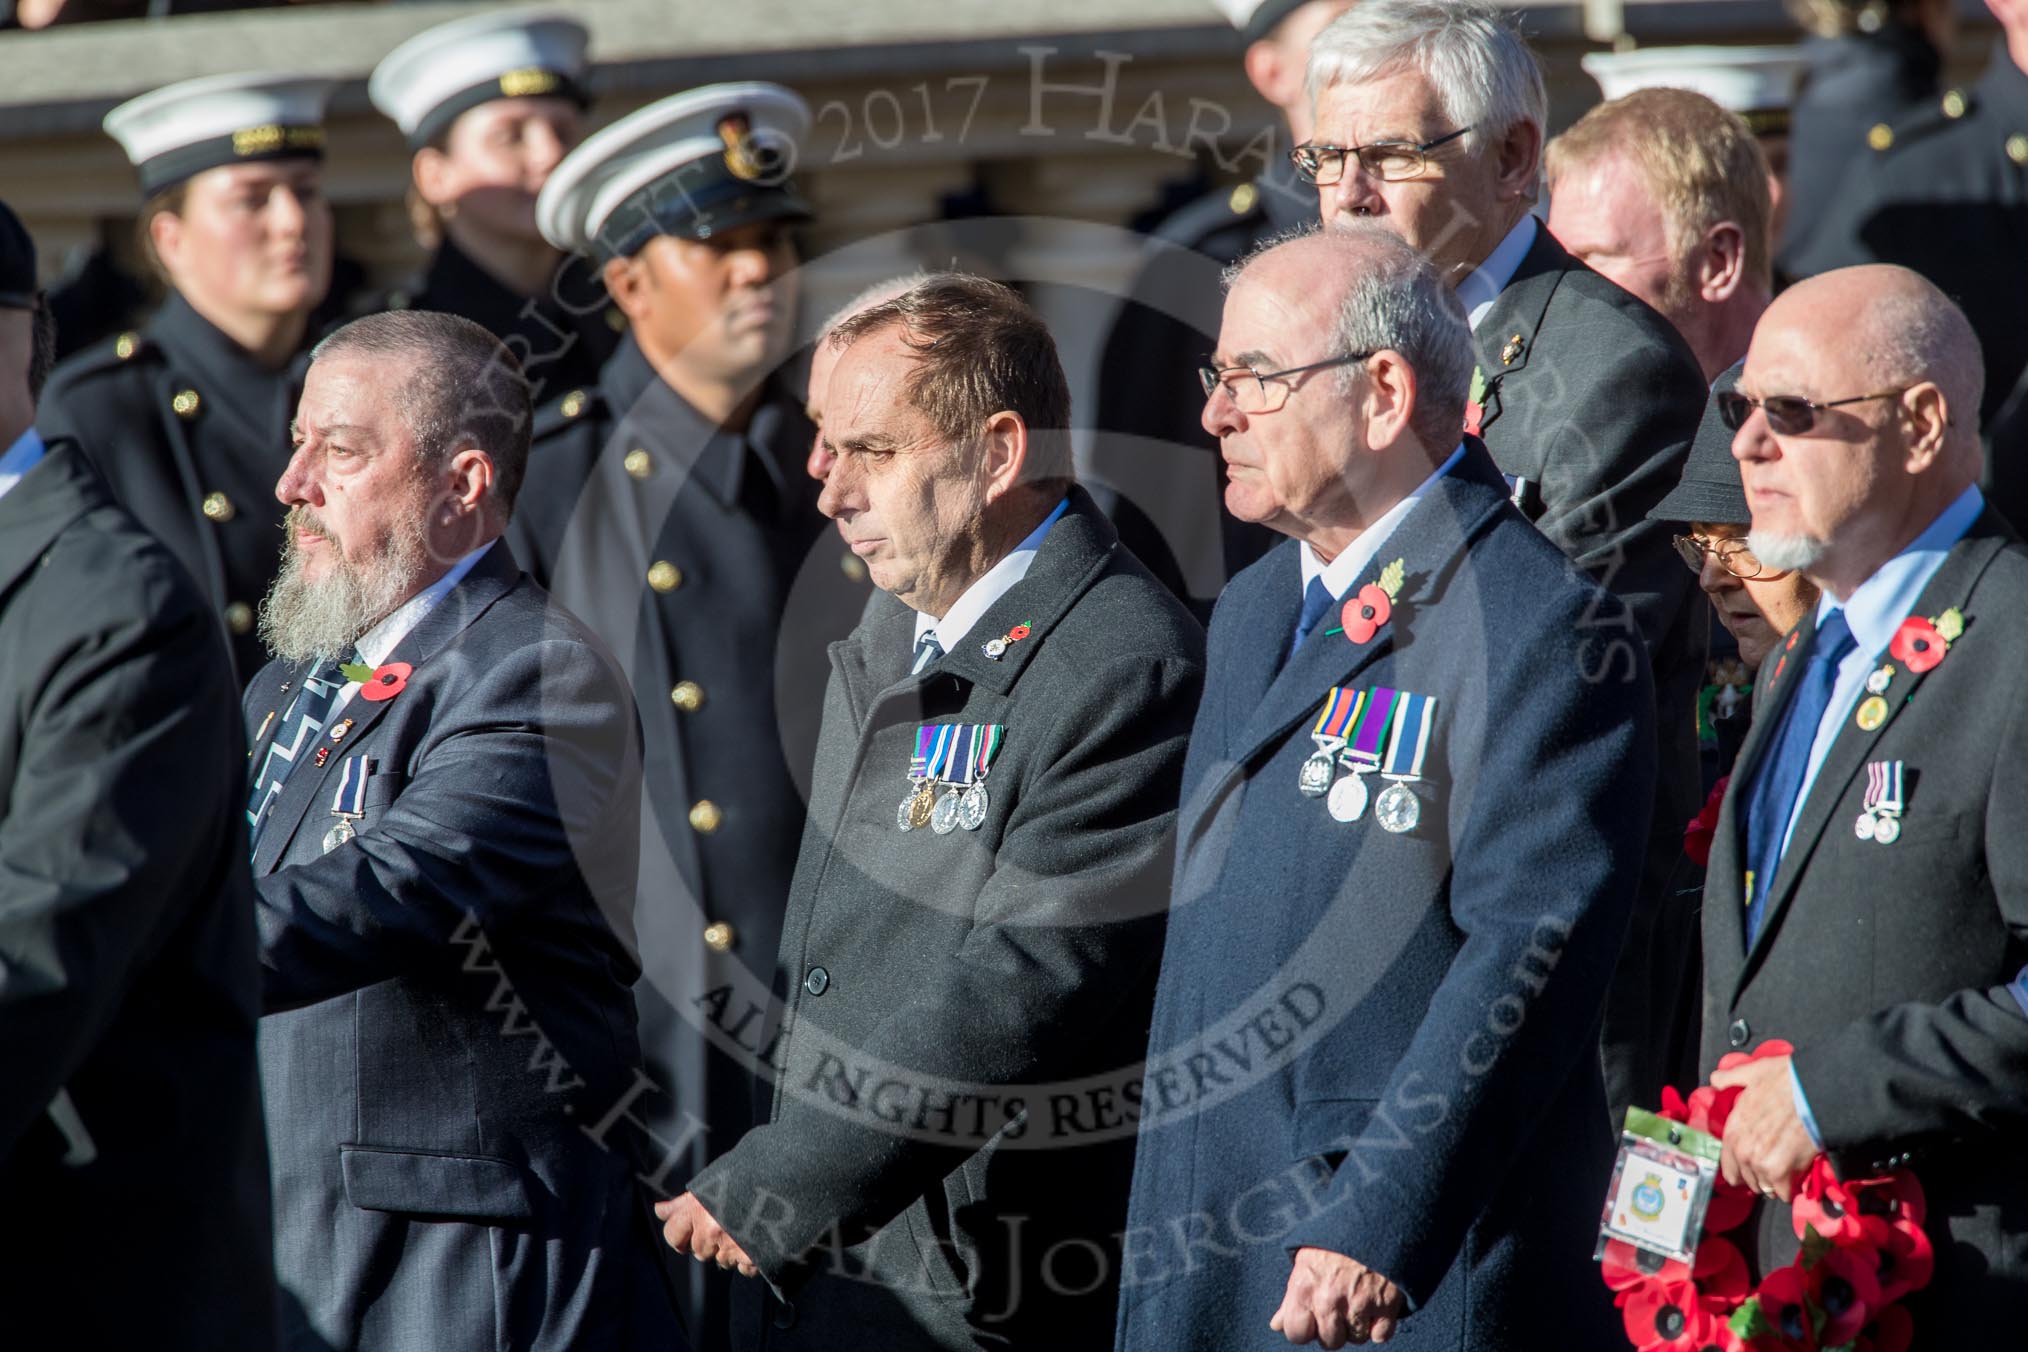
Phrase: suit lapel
(1505, 337)
(53, 494)
(488, 581)
(1950, 586)
(1430, 541)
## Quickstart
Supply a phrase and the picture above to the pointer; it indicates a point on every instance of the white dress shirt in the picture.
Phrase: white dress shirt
(1483, 284)
(20, 458)
(978, 598)
(1352, 561)
(377, 644)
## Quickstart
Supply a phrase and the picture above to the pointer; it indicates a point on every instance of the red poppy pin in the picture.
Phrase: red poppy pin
(1702, 831)
(1920, 644)
(1373, 605)
(379, 683)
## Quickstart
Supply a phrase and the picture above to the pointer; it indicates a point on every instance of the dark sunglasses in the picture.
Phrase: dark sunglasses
(1790, 415)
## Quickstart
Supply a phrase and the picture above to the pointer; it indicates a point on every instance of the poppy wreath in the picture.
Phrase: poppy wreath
(1863, 1249)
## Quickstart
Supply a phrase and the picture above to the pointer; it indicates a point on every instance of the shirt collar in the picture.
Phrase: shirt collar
(1483, 284)
(1879, 605)
(1352, 561)
(20, 458)
(377, 644)
(978, 598)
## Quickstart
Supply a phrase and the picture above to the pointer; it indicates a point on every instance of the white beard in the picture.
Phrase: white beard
(304, 620)
(1786, 553)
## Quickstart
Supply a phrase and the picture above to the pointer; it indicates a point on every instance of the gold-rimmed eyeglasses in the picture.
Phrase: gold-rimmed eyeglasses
(1248, 388)
(1388, 161)
(1732, 555)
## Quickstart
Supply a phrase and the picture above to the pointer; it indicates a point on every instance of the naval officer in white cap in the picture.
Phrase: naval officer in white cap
(668, 508)
(188, 417)
(490, 105)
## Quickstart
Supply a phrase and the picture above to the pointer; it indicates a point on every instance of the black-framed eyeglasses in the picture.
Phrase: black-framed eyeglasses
(1248, 388)
(1791, 415)
(1732, 555)
(1388, 161)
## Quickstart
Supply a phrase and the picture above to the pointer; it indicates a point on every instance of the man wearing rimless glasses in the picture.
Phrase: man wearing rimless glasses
(1429, 120)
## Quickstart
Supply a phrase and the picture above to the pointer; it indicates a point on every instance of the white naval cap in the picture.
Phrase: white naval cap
(1758, 83)
(183, 129)
(424, 84)
(1255, 19)
(693, 164)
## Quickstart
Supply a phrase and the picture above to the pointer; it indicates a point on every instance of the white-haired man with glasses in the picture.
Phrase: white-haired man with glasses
(1429, 119)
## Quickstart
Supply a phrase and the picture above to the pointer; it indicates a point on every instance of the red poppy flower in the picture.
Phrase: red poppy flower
(1475, 418)
(1917, 644)
(1628, 1269)
(1892, 1330)
(1703, 828)
(1784, 1297)
(1017, 633)
(1365, 613)
(1825, 1202)
(1721, 1276)
(1665, 1317)
(1848, 1292)
(1774, 1046)
(1895, 1197)
(387, 681)
(1906, 1262)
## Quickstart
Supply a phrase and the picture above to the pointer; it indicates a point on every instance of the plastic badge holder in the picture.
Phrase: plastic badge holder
(1662, 1183)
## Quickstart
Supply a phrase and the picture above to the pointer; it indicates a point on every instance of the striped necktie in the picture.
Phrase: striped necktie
(300, 727)
(927, 650)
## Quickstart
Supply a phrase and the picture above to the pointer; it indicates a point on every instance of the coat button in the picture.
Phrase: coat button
(664, 576)
(239, 617)
(705, 816)
(817, 982)
(1738, 1033)
(687, 696)
(853, 567)
(719, 937)
(572, 404)
(218, 507)
(126, 345)
(2017, 148)
(187, 403)
(639, 463)
(785, 1316)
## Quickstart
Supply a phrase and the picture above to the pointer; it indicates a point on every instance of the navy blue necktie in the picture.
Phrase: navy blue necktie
(927, 650)
(1779, 780)
(1317, 599)
(300, 726)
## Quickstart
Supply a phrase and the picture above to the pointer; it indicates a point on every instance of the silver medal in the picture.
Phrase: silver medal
(972, 806)
(901, 814)
(944, 818)
(1397, 808)
(1866, 826)
(1348, 798)
(1887, 829)
(338, 835)
(1878, 680)
(1315, 780)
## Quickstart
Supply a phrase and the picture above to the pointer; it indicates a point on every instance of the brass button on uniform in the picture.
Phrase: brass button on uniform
(126, 345)
(573, 404)
(2017, 148)
(187, 403)
(664, 576)
(218, 507)
(719, 937)
(705, 816)
(1242, 199)
(1954, 104)
(853, 567)
(687, 696)
(239, 617)
(1881, 137)
(639, 463)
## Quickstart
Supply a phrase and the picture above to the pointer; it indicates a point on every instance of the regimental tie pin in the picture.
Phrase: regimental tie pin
(996, 648)
(338, 733)
(1510, 352)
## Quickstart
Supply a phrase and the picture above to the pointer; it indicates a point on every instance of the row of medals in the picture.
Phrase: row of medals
(960, 807)
(1882, 825)
(1397, 809)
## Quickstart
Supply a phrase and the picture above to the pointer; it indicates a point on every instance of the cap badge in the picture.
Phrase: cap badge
(528, 83)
